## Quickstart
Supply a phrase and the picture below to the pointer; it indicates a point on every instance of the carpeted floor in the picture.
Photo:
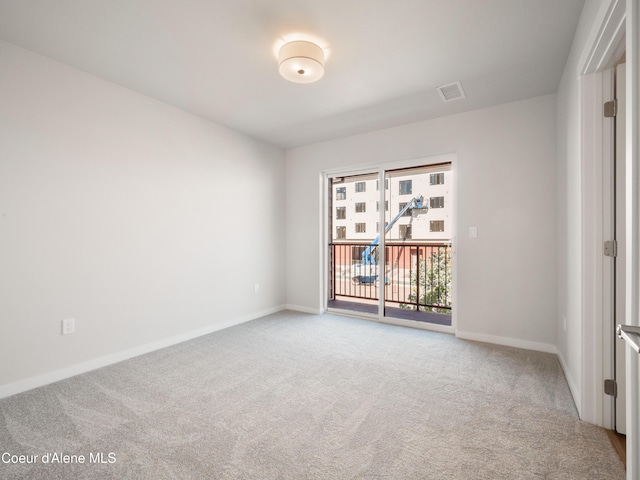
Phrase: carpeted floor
(295, 396)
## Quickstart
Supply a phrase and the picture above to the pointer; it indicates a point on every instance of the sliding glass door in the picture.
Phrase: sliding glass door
(389, 243)
(352, 252)
(418, 260)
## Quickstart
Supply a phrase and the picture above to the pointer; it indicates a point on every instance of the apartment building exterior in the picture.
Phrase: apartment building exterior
(355, 206)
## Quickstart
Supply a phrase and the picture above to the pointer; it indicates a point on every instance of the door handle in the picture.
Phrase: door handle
(631, 335)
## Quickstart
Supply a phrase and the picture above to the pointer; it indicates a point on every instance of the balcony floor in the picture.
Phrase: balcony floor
(393, 312)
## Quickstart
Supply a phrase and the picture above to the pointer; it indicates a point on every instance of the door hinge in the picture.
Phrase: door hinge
(611, 108)
(611, 248)
(611, 388)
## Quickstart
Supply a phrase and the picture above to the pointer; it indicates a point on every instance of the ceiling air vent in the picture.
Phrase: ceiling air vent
(451, 91)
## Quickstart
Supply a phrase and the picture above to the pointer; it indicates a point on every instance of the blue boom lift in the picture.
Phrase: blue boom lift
(367, 271)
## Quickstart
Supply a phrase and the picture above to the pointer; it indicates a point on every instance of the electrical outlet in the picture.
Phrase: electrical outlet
(68, 326)
(256, 288)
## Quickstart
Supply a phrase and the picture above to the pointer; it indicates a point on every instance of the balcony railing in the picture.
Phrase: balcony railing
(416, 276)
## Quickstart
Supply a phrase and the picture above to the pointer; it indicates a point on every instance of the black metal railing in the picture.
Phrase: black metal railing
(417, 276)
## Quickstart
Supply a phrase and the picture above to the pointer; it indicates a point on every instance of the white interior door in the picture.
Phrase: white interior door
(620, 235)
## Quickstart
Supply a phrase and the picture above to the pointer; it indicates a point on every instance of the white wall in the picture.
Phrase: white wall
(142, 222)
(506, 177)
(570, 214)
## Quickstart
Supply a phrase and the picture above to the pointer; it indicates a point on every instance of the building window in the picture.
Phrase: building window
(401, 206)
(386, 184)
(341, 213)
(437, 179)
(341, 193)
(406, 186)
(386, 206)
(361, 227)
(361, 187)
(361, 207)
(341, 233)
(405, 232)
(436, 226)
(436, 202)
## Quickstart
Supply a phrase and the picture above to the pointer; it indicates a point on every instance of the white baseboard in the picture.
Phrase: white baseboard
(508, 342)
(299, 308)
(575, 393)
(83, 367)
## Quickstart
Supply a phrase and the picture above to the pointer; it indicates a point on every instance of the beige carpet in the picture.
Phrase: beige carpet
(294, 396)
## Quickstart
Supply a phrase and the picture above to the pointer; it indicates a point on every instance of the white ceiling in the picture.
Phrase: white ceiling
(217, 58)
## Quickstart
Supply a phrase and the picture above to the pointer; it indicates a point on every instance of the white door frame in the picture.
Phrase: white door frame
(617, 20)
(603, 48)
(633, 235)
(597, 334)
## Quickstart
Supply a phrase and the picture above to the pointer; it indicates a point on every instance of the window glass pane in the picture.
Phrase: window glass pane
(405, 187)
(401, 206)
(437, 179)
(436, 202)
(436, 225)
(356, 216)
(405, 232)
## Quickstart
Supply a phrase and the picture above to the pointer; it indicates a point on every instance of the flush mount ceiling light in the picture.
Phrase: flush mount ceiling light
(301, 61)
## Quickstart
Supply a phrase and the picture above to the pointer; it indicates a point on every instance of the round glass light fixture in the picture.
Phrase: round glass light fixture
(301, 61)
